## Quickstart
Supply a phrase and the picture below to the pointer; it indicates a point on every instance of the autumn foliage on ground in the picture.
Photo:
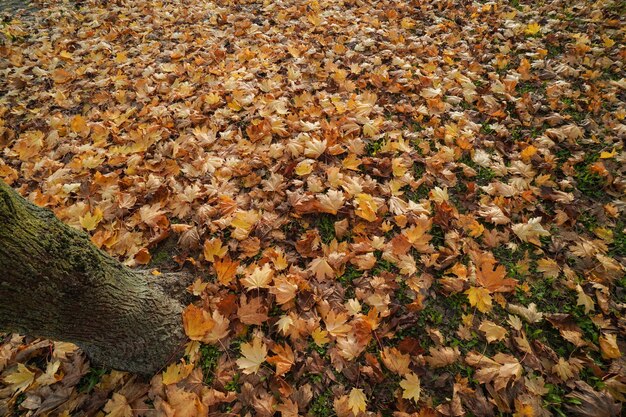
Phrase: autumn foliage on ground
(391, 208)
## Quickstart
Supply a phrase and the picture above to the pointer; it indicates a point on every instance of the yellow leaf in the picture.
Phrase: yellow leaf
(213, 249)
(351, 162)
(607, 155)
(121, 58)
(90, 221)
(548, 267)
(356, 401)
(253, 356)
(528, 153)
(79, 126)
(176, 372)
(320, 337)
(607, 42)
(197, 322)
(211, 99)
(492, 331)
(608, 346)
(366, 207)
(411, 387)
(395, 360)
(479, 298)
(20, 379)
(407, 23)
(304, 167)
(532, 29)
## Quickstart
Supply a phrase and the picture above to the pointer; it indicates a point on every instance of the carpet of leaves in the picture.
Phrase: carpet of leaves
(392, 208)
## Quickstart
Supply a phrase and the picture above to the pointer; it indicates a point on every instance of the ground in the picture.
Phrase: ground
(392, 208)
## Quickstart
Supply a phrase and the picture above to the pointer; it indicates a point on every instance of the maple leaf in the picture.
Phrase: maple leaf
(336, 323)
(176, 372)
(501, 369)
(531, 231)
(532, 29)
(219, 331)
(251, 312)
(284, 290)
(304, 167)
(493, 279)
(584, 300)
(395, 360)
(288, 408)
(494, 214)
(320, 337)
(331, 202)
(259, 278)
(608, 346)
(321, 268)
(492, 331)
(564, 369)
(90, 221)
(357, 401)
(479, 298)
(530, 313)
(283, 360)
(442, 356)
(243, 222)
(253, 355)
(548, 267)
(411, 387)
(197, 322)
(366, 207)
(20, 379)
(118, 406)
(213, 249)
(225, 269)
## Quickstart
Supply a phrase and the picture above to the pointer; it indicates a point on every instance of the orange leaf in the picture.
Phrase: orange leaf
(283, 360)
(197, 322)
(213, 249)
(226, 269)
(493, 279)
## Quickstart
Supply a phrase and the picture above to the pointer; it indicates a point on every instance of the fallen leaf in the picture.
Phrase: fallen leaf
(253, 355)
(411, 387)
(357, 401)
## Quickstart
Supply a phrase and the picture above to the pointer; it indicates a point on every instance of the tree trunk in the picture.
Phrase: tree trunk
(55, 283)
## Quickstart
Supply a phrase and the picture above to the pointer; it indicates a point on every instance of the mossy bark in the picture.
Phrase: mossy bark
(55, 283)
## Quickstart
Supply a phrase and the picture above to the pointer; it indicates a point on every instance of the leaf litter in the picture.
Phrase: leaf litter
(407, 208)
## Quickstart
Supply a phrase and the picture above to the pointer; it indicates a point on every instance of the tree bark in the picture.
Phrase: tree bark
(55, 283)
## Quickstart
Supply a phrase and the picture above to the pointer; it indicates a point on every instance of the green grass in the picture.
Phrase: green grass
(589, 183)
(233, 385)
(325, 224)
(373, 147)
(322, 405)
(618, 247)
(209, 357)
(346, 280)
